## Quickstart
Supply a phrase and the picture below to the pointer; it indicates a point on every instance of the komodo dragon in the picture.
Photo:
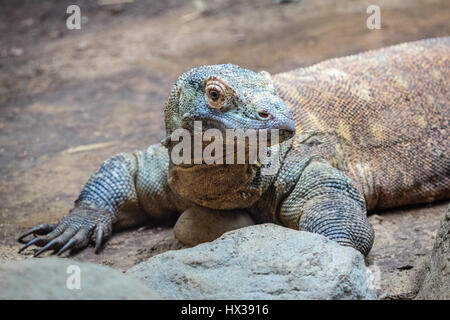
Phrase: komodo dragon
(357, 133)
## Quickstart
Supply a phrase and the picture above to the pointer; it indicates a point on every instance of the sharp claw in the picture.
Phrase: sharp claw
(67, 246)
(98, 240)
(40, 228)
(32, 241)
(46, 247)
(26, 234)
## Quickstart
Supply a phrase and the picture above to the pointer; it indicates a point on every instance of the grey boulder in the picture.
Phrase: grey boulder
(260, 262)
(436, 284)
(54, 279)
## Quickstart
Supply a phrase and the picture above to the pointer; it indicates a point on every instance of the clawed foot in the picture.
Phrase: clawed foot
(82, 225)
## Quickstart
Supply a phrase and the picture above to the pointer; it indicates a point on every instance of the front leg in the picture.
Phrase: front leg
(325, 201)
(111, 197)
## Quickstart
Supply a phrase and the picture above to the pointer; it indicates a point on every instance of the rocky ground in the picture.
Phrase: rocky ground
(263, 261)
(50, 279)
(69, 99)
(436, 283)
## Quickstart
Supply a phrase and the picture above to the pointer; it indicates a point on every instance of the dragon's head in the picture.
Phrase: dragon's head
(227, 97)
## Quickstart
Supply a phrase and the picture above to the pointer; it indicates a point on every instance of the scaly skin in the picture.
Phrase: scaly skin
(371, 132)
(382, 117)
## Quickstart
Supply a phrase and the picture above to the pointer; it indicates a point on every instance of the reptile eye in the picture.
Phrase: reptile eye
(263, 115)
(213, 94)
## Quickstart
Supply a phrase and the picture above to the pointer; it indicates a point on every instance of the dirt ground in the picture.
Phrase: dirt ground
(70, 99)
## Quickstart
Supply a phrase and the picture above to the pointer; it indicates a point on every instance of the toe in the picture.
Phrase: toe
(39, 230)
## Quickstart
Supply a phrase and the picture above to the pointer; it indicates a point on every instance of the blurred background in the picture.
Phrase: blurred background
(70, 99)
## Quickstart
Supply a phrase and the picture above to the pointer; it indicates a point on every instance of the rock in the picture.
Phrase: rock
(436, 284)
(28, 23)
(17, 52)
(51, 278)
(198, 225)
(83, 45)
(260, 262)
(389, 253)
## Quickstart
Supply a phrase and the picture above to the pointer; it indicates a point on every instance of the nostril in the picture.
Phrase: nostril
(263, 115)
